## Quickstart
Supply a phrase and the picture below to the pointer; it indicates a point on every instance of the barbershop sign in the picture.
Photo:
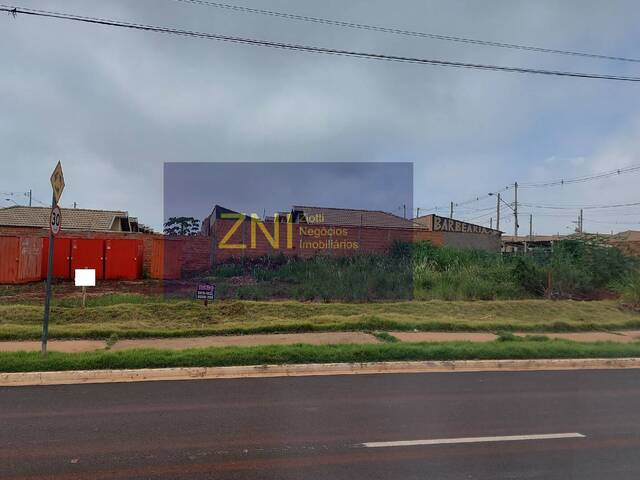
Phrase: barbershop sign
(442, 224)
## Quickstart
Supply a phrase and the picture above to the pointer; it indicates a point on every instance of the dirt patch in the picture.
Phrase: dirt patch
(73, 346)
(443, 336)
(67, 346)
(324, 338)
(34, 292)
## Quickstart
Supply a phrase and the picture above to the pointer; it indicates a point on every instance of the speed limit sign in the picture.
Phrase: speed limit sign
(55, 220)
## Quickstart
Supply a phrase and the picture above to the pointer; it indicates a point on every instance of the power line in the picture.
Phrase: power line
(586, 207)
(587, 178)
(307, 48)
(613, 223)
(41, 203)
(550, 183)
(477, 198)
(569, 215)
(478, 217)
(398, 31)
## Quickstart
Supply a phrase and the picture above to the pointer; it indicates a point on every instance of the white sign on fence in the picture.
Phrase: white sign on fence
(85, 277)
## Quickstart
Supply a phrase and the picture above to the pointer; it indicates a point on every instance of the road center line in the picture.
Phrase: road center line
(441, 441)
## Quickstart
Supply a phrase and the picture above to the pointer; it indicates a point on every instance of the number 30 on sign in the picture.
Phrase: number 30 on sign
(55, 220)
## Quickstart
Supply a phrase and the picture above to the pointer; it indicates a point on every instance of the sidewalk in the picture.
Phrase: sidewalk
(320, 338)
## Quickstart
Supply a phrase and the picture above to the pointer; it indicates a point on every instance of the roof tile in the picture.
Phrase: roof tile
(72, 218)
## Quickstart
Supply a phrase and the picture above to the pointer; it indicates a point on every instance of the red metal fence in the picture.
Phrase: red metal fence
(61, 258)
(123, 259)
(114, 256)
(88, 253)
(20, 259)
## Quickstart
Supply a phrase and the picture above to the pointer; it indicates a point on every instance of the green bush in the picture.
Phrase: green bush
(529, 275)
(423, 271)
(629, 288)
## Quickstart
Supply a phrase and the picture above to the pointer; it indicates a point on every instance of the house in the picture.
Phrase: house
(349, 217)
(73, 219)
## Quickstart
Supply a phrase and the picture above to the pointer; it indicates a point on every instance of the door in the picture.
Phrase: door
(30, 259)
(9, 259)
(61, 258)
(88, 253)
(123, 259)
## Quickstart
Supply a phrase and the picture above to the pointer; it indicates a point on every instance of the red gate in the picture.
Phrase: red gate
(19, 259)
(166, 259)
(9, 259)
(61, 258)
(88, 253)
(29, 267)
(123, 259)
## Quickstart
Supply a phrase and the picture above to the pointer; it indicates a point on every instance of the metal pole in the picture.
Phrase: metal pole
(515, 211)
(30, 197)
(498, 214)
(47, 298)
(581, 218)
(531, 226)
(418, 213)
(451, 210)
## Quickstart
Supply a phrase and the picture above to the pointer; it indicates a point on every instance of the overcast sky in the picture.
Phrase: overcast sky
(114, 105)
(264, 188)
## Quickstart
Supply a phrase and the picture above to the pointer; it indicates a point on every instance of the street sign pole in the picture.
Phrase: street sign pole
(57, 186)
(47, 299)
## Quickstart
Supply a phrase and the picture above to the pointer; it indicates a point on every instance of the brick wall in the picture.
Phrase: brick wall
(631, 248)
(173, 256)
(307, 240)
(480, 241)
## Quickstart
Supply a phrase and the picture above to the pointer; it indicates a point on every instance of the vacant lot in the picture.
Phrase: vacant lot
(136, 316)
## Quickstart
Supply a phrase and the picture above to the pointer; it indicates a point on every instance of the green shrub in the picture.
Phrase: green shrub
(529, 275)
(630, 288)
(424, 271)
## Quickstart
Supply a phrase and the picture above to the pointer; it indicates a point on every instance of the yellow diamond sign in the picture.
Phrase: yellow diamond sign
(57, 183)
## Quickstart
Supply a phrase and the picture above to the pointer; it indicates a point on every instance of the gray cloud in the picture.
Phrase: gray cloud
(114, 105)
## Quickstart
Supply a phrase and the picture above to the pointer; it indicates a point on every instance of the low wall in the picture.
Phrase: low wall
(233, 239)
(628, 248)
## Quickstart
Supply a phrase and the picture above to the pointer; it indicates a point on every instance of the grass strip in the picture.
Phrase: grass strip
(153, 318)
(303, 353)
(385, 337)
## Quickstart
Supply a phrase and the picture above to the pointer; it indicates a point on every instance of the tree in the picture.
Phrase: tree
(182, 226)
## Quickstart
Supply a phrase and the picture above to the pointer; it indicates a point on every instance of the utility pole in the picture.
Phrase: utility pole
(581, 220)
(515, 211)
(404, 211)
(30, 193)
(418, 213)
(451, 210)
(498, 214)
(531, 227)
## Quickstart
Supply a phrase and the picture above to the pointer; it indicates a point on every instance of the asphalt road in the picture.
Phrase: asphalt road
(315, 427)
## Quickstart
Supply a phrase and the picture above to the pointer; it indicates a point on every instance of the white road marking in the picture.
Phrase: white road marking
(442, 441)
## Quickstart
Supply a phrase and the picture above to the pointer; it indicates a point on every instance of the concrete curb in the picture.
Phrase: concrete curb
(255, 371)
